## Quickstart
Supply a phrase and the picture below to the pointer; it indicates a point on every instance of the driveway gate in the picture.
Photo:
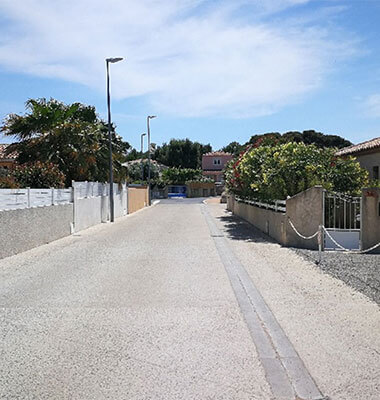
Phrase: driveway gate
(342, 221)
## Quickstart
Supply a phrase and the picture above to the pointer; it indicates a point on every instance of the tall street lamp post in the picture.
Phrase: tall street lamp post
(142, 151)
(108, 61)
(148, 118)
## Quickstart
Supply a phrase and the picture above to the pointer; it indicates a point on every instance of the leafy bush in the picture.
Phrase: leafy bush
(38, 175)
(275, 172)
(179, 176)
(8, 182)
(134, 172)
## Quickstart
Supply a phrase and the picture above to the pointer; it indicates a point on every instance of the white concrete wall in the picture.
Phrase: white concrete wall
(88, 212)
(95, 210)
(24, 229)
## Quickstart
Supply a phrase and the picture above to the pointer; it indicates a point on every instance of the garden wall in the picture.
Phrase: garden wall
(305, 210)
(138, 197)
(370, 218)
(200, 189)
(27, 228)
(90, 211)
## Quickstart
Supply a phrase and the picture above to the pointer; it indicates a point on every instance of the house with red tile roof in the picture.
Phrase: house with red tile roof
(367, 154)
(213, 164)
(7, 161)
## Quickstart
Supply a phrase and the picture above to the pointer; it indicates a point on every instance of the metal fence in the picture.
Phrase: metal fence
(275, 205)
(13, 199)
(342, 211)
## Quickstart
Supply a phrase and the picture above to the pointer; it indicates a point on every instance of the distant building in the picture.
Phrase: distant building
(367, 154)
(213, 164)
(6, 161)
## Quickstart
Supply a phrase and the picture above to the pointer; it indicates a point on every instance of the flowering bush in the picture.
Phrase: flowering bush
(8, 182)
(38, 175)
(275, 172)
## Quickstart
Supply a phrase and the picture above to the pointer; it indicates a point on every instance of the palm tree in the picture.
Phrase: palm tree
(71, 136)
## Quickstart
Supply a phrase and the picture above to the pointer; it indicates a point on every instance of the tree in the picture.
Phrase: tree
(308, 137)
(179, 176)
(181, 153)
(134, 171)
(275, 172)
(72, 137)
(234, 148)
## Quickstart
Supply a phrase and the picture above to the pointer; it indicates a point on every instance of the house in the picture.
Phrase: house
(367, 154)
(6, 161)
(213, 164)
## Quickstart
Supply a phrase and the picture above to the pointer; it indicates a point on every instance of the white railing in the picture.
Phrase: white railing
(13, 199)
(276, 205)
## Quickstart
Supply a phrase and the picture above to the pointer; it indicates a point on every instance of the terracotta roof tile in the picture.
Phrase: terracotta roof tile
(357, 148)
(217, 153)
(3, 156)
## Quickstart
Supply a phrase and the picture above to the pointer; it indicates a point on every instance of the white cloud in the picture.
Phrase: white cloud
(187, 57)
(372, 106)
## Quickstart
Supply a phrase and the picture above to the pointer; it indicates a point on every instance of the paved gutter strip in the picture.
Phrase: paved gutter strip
(284, 370)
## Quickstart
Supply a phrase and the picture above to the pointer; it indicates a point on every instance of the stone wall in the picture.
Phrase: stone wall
(305, 210)
(370, 232)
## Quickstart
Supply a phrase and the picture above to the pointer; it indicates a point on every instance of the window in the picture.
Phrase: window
(217, 161)
(375, 172)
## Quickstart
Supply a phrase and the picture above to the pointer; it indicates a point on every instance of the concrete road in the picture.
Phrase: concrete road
(150, 307)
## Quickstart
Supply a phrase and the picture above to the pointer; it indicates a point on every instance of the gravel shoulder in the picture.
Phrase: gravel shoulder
(360, 271)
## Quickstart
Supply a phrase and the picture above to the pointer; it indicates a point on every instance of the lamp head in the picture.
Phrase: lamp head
(143, 134)
(152, 116)
(114, 60)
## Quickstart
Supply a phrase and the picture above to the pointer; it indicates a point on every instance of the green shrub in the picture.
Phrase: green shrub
(38, 175)
(282, 170)
(8, 182)
(179, 176)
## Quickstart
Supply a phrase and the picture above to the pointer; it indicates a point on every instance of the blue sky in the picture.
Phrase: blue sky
(212, 70)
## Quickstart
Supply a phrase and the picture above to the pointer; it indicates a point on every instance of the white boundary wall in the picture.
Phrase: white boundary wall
(13, 199)
(91, 203)
(39, 216)
(24, 229)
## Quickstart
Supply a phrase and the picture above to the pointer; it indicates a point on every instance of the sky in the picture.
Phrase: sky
(214, 71)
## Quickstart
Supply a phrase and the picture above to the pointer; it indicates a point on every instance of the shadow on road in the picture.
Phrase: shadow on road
(238, 229)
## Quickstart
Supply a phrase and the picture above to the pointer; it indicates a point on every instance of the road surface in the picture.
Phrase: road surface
(181, 301)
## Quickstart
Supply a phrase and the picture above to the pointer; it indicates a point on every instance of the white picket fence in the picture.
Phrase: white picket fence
(13, 199)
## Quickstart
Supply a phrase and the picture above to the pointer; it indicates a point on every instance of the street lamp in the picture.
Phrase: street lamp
(142, 151)
(148, 118)
(112, 61)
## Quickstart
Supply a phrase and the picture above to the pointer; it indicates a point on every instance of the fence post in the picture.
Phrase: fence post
(320, 239)
(75, 197)
(28, 196)
(72, 190)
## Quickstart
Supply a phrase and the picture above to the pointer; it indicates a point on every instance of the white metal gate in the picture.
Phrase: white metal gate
(342, 221)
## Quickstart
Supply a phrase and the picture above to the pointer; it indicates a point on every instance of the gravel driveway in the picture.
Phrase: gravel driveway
(360, 271)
